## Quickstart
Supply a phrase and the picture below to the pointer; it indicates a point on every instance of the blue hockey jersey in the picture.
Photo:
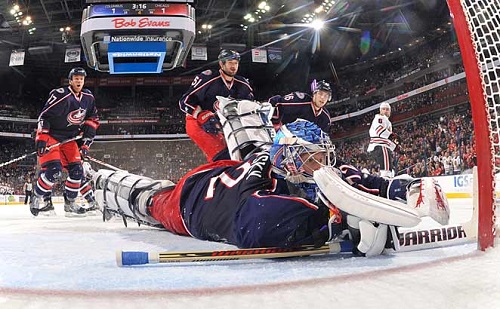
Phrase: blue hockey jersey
(64, 112)
(297, 105)
(207, 85)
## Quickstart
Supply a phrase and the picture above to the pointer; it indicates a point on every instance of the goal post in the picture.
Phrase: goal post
(477, 25)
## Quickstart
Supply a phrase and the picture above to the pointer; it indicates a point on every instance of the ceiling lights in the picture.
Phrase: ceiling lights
(250, 18)
(318, 11)
(21, 19)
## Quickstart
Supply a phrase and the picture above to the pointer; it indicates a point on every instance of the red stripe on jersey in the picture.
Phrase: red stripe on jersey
(43, 184)
(72, 185)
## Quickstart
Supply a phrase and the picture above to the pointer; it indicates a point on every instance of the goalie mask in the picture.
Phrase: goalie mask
(299, 148)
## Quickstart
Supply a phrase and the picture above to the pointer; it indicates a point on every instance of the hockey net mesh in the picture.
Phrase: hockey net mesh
(483, 21)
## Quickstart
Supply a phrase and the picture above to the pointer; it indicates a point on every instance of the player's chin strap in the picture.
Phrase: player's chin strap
(247, 126)
(128, 195)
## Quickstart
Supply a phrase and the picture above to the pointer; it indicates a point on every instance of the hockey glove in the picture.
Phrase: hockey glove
(42, 137)
(394, 137)
(208, 121)
(89, 128)
(85, 147)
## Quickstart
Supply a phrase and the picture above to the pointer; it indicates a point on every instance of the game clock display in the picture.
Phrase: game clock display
(138, 9)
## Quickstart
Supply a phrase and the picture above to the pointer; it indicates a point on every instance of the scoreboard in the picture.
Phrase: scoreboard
(131, 37)
(138, 9)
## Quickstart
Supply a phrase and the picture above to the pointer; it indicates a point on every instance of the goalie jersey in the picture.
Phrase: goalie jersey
(246, 204)
(380, 132)
(236, 202)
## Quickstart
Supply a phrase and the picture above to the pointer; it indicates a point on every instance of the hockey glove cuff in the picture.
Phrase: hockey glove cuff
(42, 137)
(89, 128)
(85, 147)
(208, 121)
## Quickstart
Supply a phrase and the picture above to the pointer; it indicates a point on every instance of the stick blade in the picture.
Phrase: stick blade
(127, 258)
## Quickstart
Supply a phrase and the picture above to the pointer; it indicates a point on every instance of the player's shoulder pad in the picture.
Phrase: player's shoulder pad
(87, 91)
(206, 72)
(242, 79)
(302, 96)
(59, 92)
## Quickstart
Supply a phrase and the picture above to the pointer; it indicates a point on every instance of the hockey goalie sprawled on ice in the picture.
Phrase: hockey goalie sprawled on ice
(289, 191)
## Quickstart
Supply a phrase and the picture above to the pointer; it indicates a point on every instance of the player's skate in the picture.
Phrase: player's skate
(73, 210)
(46, 210)
(92, 208)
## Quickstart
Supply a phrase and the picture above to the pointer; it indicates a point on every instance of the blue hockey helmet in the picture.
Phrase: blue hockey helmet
(228, 54)
(321, 85)
(77, 71)
(295, 139)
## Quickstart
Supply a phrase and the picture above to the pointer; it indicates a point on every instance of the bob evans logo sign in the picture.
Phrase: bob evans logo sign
(145, 22)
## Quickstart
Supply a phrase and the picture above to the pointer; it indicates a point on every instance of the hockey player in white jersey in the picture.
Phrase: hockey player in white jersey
(383, 142)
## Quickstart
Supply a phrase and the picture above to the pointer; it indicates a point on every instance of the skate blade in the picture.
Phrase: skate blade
(74, 215)
(48, 213)
(91, 213)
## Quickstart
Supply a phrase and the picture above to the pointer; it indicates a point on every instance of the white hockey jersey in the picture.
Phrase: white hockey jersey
(380, 131)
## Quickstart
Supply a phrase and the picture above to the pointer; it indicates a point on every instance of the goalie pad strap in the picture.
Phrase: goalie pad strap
(362, 204)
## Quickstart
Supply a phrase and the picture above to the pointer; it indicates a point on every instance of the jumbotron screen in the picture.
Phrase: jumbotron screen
(138, 9)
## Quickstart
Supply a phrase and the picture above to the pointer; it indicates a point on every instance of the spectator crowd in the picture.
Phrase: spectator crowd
(434, 126)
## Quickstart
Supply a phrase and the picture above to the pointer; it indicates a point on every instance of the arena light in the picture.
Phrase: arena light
(317, 24)
(14, 9)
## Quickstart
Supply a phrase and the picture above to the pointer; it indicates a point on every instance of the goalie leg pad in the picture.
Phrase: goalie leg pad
(362, 204)
(246, 124)
(127, 194)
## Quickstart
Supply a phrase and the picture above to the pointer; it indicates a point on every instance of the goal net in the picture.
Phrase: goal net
(477, 24)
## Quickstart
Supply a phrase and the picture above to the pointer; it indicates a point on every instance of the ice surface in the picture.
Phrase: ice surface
(58, 262)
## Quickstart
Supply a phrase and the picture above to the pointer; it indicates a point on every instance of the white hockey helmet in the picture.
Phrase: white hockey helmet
(385, 105)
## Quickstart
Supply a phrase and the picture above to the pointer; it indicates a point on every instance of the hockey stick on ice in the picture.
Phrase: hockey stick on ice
(34, 152)
(129, 258)
(411, 240)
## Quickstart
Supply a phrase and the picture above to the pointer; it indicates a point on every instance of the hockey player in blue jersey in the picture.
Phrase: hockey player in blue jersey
(68, 112)
(270, 199)
(301, 105)
(199, 103)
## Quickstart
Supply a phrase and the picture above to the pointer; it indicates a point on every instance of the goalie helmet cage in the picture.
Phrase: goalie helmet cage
(477, 25)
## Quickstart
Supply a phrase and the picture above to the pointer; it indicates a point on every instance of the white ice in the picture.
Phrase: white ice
(59, 262)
